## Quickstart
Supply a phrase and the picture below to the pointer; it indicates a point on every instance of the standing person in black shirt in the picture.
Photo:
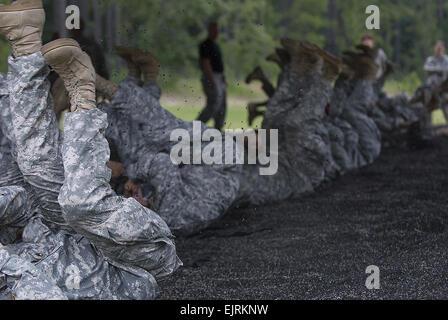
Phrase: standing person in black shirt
(213, 80)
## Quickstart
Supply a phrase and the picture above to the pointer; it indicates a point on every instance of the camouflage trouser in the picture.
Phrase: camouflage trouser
(305, 159)
(153, 89)
(188, 198)
(356, 113)
(425, 93)
(120, 247)
(338, 145)
(10, 172)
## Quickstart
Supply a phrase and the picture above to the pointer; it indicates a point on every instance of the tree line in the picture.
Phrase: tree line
(251, 29)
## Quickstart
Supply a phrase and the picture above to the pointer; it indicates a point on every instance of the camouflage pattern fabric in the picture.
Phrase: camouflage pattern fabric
(381, 60)
(121, 260)
(297, 110)
(357, 108)
(11, 174)
(37, 138)
(188, 197)
(314, 147)
(216, 107)
(436, 70)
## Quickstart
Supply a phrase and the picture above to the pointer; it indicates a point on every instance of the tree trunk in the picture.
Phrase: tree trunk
(98, 23)
(331, 32)
(59, 17)
(109, 28)
(398, 44)
(117, 23)
(85, 15)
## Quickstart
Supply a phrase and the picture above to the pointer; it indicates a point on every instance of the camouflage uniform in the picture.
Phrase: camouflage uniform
(436, 72)
(187, 197)
(11, 174)
(391, 113)
(118, 248)
(344, 139)
(297, 110)
(356, 112)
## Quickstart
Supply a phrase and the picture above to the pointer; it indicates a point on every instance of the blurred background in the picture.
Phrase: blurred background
(250, 30)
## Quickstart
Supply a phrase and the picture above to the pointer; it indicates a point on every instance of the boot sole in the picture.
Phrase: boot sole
(22, 6)
(58, 44)
(328, 57)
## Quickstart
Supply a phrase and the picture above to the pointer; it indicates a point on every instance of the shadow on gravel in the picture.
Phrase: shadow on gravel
(392, 215)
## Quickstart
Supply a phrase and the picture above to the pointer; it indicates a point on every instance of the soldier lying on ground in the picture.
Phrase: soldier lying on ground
(65, 233)
(188, 197)
(282, 59)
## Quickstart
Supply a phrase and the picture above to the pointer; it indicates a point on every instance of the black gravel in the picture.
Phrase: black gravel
(392, 214)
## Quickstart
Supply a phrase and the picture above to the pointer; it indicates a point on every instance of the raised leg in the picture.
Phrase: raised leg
(37, 138)
(123, 229)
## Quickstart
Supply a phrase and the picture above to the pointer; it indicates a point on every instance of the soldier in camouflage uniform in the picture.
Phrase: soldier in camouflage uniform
(119, 247)
(436, 72)
(393, 115)
(322, 131)
(357, 98)
(297, 110)
(188, 197)
(282, 59)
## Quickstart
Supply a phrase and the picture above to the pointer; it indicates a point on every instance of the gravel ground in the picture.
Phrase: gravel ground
(392, 215)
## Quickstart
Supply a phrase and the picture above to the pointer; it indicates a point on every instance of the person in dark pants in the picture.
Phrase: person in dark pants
(213, 80)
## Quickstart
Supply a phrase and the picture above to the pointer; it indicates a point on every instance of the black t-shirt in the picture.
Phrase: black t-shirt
(210, 50)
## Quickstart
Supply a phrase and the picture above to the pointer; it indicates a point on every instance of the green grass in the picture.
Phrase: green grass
(407, 84)
(184, 98)
(236, 116)
(438, 119)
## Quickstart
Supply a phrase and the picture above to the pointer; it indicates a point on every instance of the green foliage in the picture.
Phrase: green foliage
(407, 84)
(173, 29)
(251, 29)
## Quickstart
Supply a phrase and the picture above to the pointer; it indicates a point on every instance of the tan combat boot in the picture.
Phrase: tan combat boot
(76, 70)
(363, 65)
(127, 53)
(107, 88)
(332, 66)
(21, 23)
(304, 55)
(366, 50)
(149, 65)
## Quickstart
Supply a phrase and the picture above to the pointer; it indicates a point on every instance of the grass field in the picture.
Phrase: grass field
(185, 100)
